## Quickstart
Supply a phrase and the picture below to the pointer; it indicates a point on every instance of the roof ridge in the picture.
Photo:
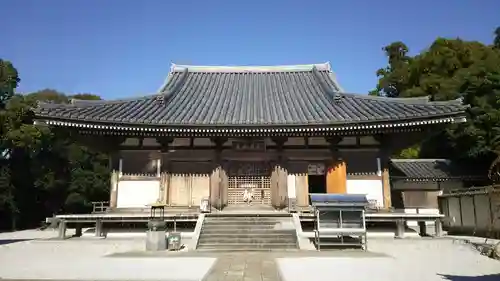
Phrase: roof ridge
(409, 100)
(251, 68)
(79, 102)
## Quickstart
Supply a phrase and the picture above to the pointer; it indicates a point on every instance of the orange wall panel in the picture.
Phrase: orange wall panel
(336, 177)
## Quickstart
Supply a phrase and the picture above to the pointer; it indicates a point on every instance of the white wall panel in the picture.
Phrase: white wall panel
(137, 194)
(372, 188)
(291, 186)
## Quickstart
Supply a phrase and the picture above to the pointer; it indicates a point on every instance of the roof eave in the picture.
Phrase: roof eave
(339, 129)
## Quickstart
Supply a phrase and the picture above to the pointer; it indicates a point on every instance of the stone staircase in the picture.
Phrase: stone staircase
(244, 232)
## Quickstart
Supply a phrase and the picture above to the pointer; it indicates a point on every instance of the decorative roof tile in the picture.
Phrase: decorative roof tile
(251, 96)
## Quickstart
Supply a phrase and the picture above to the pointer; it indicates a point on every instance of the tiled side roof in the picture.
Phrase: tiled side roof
(430, 170)
(251, 96)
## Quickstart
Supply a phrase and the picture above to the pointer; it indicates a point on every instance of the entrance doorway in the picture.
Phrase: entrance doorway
(251, 176)
(316, 179)
(317, 183)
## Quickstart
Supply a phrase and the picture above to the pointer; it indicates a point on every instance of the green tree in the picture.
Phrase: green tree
(393, 79)
(496, 41)
(43, 171)
(451, 69)
(9, 80)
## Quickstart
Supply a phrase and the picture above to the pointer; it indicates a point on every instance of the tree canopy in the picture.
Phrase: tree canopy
(450, 69)
(43, 171)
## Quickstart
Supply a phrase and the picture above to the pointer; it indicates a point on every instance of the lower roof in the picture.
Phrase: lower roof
(279, 96)
(425, 170)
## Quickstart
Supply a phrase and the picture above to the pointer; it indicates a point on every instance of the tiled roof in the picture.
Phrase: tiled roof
(251, 96)
(430, 170)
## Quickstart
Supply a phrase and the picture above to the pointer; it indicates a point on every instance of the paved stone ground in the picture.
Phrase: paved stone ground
(247, 266)
(108, 259)
(244, 267)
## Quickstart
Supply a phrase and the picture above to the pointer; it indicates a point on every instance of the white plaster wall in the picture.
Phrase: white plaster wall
(291, 186)
(137, 193)
(372, 188)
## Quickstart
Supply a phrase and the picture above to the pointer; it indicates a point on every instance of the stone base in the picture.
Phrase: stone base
(156, 241)
(155, 237)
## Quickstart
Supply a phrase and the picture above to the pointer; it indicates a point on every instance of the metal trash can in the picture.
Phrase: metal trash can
(174, 241)
(205, 205)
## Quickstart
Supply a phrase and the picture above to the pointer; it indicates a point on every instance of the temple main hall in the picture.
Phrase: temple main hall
(281, 132)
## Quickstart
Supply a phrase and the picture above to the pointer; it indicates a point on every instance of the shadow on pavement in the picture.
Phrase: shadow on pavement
(490, 277)
(10, 241)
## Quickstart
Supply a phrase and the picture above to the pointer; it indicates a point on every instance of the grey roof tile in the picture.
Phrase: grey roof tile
(251, 96)
(431, 169)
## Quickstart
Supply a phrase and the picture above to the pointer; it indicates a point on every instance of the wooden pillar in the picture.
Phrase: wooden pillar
(224, 185)
(336, 174)
(384, 154)
(217, 176)
(113, 194)
(114, 179)
(283, 186)
(215, 184)
(164, 168)
(274, 186)
(386, 185)
(279, 177)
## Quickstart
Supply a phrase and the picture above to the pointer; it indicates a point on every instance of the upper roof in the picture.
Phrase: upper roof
(219, 96)
(425, 170)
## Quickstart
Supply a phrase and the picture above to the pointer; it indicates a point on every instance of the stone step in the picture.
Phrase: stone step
(242, 222)
(244, 235)
(231, 227)
(247, 216)
(226, 222)
(247, 233)
(255, 231)
(247, 240)
(241, 246)
(240, 249)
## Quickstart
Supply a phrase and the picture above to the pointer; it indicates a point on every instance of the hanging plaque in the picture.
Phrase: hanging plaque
(316, 169)
(249, 145)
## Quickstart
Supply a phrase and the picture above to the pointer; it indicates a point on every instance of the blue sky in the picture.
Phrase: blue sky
(124, 48)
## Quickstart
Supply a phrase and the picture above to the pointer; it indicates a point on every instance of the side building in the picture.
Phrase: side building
(416, 184)
(281, 131)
